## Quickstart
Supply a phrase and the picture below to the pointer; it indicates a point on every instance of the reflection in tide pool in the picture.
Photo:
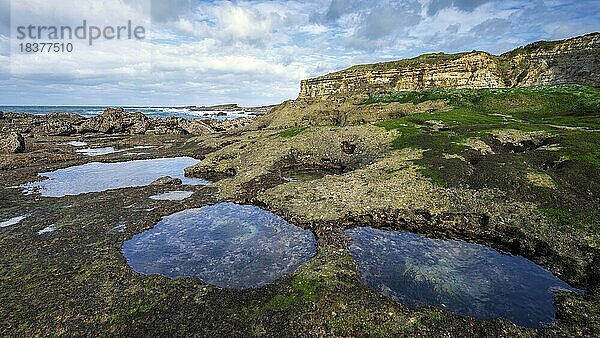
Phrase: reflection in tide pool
(97, 177)
(468, 279)
(228, 245)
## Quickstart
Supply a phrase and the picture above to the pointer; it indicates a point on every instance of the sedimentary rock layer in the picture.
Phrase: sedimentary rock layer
(575, 60)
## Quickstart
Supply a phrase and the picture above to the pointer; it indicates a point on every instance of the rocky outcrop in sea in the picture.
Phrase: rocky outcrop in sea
(112, 121)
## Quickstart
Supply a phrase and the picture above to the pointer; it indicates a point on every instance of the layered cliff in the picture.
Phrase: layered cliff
(575, 60)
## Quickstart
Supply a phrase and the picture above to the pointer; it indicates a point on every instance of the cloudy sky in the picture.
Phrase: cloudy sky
(256, 52)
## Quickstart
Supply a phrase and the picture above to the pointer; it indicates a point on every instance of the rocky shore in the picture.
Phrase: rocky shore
(112, 121)
(574, 60)
(516, 169)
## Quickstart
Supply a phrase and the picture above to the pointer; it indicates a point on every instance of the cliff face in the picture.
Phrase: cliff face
(575, 60)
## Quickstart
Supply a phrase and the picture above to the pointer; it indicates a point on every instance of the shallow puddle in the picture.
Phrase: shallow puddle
(120, 227)
(465, 278)
(12, 221)
(227, 245)
(97, 177)
(47, 230)
(93, 152)
(76, 144)
(173, 196)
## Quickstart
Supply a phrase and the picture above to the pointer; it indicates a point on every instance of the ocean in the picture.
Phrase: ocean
(159, 112)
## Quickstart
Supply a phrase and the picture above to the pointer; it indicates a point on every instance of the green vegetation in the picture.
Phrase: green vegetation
(425, 59)
(538, 46)
(568, 159)
(434, 176)
(537, 104)
(589, 220)
(303, 289)
(279, 303)
(292, 132)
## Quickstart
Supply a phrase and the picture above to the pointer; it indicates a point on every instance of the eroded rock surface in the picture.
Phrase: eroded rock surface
(575, 60)
(11, 143)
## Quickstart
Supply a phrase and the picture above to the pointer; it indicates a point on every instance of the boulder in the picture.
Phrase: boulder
(55, 127)
(168, 126)
(178, 126)
(116, 120)
(195, 127)
(11, 143)
(167, 180)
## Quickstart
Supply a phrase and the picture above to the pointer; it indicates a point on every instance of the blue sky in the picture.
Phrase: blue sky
(256, 52)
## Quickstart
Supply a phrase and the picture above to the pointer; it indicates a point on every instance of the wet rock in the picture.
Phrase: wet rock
(116, 120)
(11, 143)
(167, 180)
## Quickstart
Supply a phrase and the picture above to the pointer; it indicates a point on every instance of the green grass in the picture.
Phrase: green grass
(477, 112)
(303, 289)
(528, 103)
(582, 146)
(292, 132)
(425, 59)
(581, 220)
(433, 175)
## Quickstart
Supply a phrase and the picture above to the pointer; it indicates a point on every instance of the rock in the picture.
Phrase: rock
(167, 180)
(541, 179)
(168, 126)
(178, 126)
(347, 147)
(574, 61)
(11, 143)
(478, 145)
(223, 125)
(517, 140)
(57, 125)
(116, 120)
(20, 123)
(196, 127)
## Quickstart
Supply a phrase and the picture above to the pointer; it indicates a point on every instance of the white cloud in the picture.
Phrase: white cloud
(240, 23)
(256, 52)
(314, 29)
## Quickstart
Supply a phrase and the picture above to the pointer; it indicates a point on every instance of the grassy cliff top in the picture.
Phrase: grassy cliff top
(425, 59)
(437, 58)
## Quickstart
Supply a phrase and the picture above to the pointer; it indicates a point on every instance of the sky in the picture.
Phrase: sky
(256, 52)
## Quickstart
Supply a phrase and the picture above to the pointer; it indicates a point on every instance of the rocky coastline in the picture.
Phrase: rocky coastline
(516, 169)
